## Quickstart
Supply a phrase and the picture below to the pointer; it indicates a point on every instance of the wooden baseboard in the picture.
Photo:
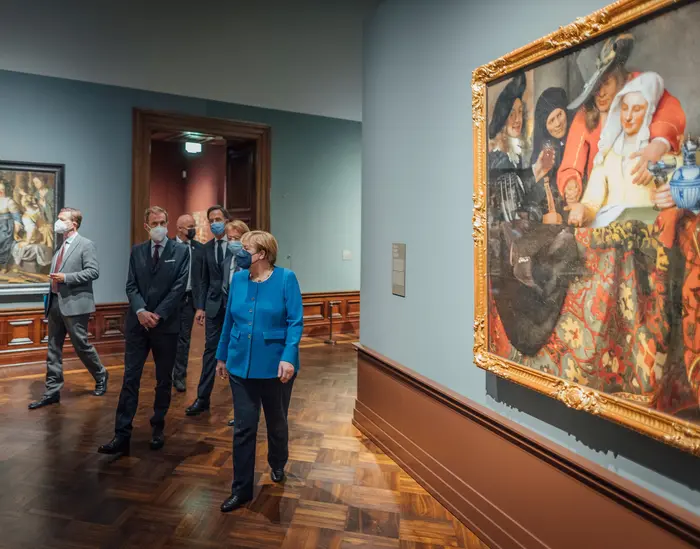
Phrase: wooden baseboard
(511, 487)
(24, 332)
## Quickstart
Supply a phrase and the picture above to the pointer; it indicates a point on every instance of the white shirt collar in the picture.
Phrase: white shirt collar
(71, 238)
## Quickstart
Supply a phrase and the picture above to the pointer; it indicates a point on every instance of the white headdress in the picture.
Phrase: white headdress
(651, 86)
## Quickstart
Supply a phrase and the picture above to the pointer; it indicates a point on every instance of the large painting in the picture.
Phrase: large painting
(586, 217)
(31, 195)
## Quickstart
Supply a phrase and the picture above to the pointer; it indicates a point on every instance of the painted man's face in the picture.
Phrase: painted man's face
(514, 124)
(606, 92)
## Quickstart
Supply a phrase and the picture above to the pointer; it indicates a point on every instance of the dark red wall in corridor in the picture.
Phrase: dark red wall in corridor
(203, 186)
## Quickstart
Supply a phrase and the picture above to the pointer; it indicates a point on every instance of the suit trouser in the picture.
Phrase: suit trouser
(139, 342)
(184, 337)
(248, 395)
(212, 329)
(77, 329)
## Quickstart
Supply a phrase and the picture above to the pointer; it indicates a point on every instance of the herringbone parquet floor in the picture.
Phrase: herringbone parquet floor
(341, 491)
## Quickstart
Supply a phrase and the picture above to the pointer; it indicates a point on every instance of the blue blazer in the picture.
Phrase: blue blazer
(263, 325)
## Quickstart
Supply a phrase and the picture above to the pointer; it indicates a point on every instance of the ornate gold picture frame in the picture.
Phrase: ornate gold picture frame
(620, 295)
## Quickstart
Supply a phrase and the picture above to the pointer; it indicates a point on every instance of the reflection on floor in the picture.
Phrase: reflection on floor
(341, 491)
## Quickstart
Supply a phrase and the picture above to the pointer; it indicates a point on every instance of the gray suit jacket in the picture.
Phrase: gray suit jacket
(75, 296)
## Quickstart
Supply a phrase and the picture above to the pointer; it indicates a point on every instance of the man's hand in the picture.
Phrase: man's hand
(285, 371)
(577, 213)
(662, 197)
(651, 153)
(199, 316)
(148, 320)
(571, 193)
(58, 277)
(221, 370)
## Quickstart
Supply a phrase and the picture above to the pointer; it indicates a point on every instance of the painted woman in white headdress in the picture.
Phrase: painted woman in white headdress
(612, 193)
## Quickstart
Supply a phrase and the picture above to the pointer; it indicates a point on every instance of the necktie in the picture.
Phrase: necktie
(222, 252)
(156, 255)
(59, 262)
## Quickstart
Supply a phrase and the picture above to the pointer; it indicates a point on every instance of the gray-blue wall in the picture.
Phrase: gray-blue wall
(417, 188)
(315, 202)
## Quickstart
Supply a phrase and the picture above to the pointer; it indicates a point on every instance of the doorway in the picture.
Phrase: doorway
(187, 163)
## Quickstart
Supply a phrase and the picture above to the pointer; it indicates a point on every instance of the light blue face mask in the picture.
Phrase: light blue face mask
(234, 245)
(218, 227)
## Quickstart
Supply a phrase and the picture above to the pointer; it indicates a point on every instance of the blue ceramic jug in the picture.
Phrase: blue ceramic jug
(685, 181)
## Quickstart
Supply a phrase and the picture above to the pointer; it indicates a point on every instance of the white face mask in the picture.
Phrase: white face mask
(61, 226)
(158, 233)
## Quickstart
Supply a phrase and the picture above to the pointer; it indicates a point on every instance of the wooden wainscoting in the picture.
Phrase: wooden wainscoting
(317, 313)
(23, 332)
(511, 487)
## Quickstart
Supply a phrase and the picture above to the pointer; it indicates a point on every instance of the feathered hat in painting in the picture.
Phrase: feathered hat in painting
(513, 90)
(615, 52)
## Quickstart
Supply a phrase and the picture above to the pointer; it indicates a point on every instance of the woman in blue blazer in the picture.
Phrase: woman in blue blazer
(259, 353)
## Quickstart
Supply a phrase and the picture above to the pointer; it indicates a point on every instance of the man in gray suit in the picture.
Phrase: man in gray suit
(156, 285)
(69, 305)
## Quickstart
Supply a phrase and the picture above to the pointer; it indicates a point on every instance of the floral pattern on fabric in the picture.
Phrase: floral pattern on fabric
(629, 325)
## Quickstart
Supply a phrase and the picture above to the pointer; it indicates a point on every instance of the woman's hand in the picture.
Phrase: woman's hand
(285, 371)
(221, 370)
(544, 163)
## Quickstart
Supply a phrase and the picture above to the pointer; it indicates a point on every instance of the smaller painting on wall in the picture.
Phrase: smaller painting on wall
(31, 195)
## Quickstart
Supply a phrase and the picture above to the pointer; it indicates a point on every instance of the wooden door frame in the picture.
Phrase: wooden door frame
(148, 121)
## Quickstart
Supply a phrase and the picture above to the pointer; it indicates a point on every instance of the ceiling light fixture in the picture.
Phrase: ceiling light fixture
(193, 148)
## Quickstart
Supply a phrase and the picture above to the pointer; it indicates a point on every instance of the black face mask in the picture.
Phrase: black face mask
(191, 233)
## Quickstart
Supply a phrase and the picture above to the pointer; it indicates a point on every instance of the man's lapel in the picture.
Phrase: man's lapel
(215, 252)
(227, 272)
(146, 260)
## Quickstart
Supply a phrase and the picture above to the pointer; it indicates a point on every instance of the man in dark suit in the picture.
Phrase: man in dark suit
(155, 286)
(186, 231)
(211, 304)
(69, 305)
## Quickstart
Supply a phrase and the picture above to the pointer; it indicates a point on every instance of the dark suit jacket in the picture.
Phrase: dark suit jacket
(212, 297)
(158, 289)
(197, 259)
